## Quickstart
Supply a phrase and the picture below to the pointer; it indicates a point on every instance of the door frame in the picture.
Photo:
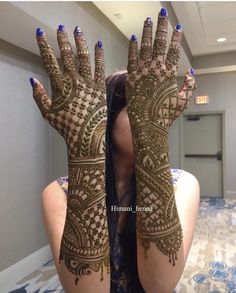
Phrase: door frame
(181, 139)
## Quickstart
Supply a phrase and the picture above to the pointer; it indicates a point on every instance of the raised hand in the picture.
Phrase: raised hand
(78, 112)
(154, 102)
(76, 97)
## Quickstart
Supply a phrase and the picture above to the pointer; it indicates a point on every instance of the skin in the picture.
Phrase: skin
(162, 277)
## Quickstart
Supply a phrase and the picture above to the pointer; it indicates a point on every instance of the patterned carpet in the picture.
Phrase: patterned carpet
(211, 265)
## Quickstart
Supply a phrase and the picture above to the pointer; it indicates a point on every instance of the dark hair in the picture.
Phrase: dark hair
(116, 101)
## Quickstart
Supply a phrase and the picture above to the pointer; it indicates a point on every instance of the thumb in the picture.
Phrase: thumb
(40, 96)
(187, 89)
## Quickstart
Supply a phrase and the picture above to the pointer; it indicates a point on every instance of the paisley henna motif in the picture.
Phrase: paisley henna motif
(78, 112)
(154, 102)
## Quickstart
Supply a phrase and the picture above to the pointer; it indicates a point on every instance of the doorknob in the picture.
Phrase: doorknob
(219, 155)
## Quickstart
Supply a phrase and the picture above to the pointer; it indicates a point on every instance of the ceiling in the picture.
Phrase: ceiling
(128, 17)
(204, 22)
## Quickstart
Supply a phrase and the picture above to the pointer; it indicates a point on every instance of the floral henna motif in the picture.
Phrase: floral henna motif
(154, 102)
(78, 112)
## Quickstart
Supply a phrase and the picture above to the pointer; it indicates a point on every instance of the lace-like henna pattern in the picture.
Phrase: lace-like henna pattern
(67, 56)
(79, 113)
(160, 41)
(83, 54)
(146, 45)
(153, 103)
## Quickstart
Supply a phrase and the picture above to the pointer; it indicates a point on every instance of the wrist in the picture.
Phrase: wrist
(88, 173)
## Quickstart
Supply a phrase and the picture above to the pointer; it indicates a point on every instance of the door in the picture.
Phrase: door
(202, 137)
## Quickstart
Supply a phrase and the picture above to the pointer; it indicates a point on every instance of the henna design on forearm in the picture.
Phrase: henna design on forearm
(85, 246)
(78, 112)
(153, 103)
(149, 123)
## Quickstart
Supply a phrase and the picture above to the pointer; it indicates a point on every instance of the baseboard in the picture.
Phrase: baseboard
(230, 194)
(13, 274)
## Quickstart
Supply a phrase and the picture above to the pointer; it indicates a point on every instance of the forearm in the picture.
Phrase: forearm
(159, 233)
(85, 243)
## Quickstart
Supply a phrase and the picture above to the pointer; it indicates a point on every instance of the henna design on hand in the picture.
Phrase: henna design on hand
(154, 102)
(78, 112)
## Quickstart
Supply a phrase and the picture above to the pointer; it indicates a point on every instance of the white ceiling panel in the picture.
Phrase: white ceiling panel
(220, 27)
(212, 3)
(204, 22)
(218, 11)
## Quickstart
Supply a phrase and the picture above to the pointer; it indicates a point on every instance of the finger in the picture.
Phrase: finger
(173, 54)
(49, 59)
(146, 43)
(160, 41)
(99, 74)
(133, 55)
(67, 56)
(185, 94)
(83, 54)
(40, 96)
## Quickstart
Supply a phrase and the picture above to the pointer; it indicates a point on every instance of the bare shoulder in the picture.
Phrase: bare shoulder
(52, 188)
(187, 179)
(187, 187)
(53, 195)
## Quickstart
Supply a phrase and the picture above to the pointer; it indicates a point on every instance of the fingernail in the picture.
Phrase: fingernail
(78, 31)
(133, 38)
(163, 12)
(32, 82)
(61, 28)
(148, 21)
(191, 71)
(99, 44)
(179, 27)
(39, 32)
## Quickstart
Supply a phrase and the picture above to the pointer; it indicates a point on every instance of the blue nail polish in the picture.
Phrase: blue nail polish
(191, 71)
(179, 27)
(99, 44)
(32, 82)
(78, 31)
(39, 32)
(61, 28)
(148, 21)
(133, 38)
(163, 12)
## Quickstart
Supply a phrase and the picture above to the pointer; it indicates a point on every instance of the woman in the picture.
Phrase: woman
(128, 271)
